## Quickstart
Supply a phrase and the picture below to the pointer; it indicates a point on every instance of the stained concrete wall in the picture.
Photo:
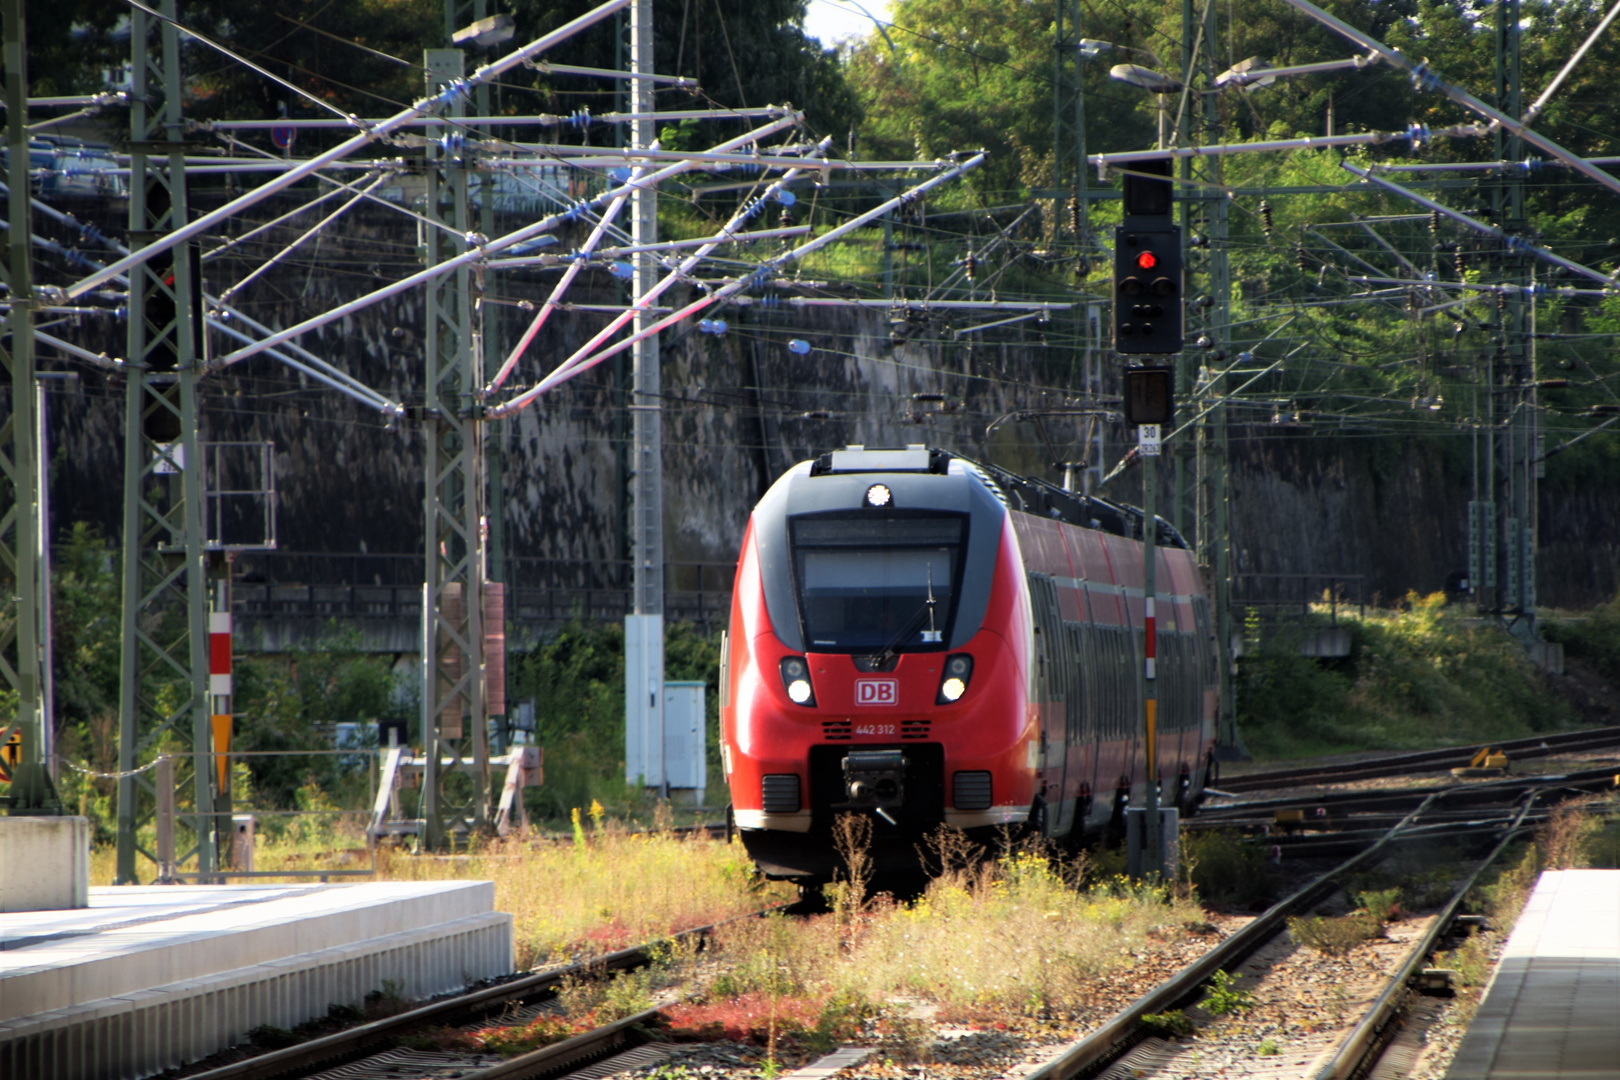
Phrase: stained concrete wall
(735, 416)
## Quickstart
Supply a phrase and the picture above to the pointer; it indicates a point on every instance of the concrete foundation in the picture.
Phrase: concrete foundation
(148, 978)
(46, 863)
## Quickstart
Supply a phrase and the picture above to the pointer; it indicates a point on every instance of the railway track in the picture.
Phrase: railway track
(373, 1050)
(1328, 823)
(1420, 761)
(1123, 1047)
(1378, 824)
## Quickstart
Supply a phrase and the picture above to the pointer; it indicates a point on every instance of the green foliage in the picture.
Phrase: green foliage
(1172, 1024)
(294, 702)
(1334, 935)
(1593, 639)
(1380, 903)
(1225, 868)
(576, 679)
(1224, 997)
(1420, 675)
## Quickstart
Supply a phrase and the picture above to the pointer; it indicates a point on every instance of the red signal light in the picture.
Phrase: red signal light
(1147, 260)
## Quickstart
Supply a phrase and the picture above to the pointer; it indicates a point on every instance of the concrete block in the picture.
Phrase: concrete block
(56, 854)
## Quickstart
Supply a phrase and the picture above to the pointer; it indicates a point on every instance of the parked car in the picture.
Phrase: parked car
(84, 172)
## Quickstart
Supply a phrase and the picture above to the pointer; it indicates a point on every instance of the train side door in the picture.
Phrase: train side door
(1050, 685)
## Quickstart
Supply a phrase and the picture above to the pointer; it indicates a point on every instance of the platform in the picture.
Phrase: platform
(150, 977)
(1552, 1010)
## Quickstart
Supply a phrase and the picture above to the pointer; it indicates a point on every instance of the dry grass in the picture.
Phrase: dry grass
(616, 889)
(608, 890)
(1019, 934)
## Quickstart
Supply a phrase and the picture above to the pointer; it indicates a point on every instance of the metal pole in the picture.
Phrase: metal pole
(31, 789)
(163, 492)
(1150, 702)
(644, 627)
(455, 786)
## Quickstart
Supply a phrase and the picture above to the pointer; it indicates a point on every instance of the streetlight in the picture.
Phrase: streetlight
(1154, 82)
(485, 32)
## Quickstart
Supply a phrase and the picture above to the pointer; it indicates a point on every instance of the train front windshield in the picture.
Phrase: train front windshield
(863, 582)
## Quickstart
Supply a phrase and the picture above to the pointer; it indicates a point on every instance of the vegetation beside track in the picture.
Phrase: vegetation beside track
(1421, 674)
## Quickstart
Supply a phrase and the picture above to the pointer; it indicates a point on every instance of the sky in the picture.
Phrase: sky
(832, 20)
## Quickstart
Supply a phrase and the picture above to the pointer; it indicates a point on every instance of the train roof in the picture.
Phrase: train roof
(1026, 494)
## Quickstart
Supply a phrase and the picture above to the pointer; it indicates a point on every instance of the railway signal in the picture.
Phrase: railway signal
(1148, 264)
(1147, 290)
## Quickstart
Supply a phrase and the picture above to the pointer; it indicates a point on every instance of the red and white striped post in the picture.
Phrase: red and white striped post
(219, 682)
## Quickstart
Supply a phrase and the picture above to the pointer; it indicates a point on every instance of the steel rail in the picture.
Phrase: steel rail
(1363, 1039)
(571, 1053)
(358, 1042)
(1115, 1035)
(1532, 746)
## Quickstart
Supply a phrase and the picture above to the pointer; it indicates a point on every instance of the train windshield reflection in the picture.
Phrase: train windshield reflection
(859, 580)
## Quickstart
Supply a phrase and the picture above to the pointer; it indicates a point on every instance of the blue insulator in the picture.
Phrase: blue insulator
(620, 175)
(1417, 133)
(581, 118)
(798, 347)
(786, 198)
(770, 300)
(1245, 357)
(120, 313)
(622, 270)
(1423, 78)
(453, 143)
(716, 327)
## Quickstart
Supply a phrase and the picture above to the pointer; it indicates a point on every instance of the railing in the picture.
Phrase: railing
(1295, 594)
(281, 585)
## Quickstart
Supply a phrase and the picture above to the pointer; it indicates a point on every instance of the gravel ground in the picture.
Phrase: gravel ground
(1303, 1004)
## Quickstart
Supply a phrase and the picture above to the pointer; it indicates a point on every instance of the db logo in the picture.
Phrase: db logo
(877, 691)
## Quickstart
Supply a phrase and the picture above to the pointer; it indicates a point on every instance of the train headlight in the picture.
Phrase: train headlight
(958, 673)
(796, 681)
(879, 495)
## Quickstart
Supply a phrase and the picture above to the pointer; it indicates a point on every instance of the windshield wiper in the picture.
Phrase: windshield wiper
(914, 624)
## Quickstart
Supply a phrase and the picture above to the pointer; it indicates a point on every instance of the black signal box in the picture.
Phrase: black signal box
(1150, 395)
(1147, 290)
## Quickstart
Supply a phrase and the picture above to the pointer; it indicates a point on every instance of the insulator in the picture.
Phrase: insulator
(1300, 259)
(1082, 268)
(1434, 221)
(1265, 219)
(970, 263)
(1460, 263)
(798, 347)
(787, 217)
(1074, 216)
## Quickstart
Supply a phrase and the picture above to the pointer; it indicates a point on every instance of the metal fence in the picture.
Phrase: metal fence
(540, 592)
(1285, 595)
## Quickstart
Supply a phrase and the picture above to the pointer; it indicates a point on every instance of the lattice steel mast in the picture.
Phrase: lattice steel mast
(164, 691)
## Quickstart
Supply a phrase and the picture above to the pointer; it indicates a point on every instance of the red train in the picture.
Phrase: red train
(929, 640)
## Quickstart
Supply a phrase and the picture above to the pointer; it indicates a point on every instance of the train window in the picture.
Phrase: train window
(864, 583)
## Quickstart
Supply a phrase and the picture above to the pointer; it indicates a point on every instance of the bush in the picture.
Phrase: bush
(1593, 640)
(1225, 868)
(1420, 675)
(1334, 935)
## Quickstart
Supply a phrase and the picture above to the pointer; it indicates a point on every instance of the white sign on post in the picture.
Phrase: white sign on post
(1147, 440)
